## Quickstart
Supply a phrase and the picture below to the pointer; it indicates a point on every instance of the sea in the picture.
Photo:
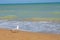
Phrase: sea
(31, 10)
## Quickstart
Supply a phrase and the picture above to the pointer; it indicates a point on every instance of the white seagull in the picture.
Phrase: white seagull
(17, 28)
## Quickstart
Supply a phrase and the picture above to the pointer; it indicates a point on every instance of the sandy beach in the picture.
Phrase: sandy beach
(22, 35)
(34, 21)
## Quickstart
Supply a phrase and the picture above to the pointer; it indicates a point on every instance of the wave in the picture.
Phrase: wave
(30, 26)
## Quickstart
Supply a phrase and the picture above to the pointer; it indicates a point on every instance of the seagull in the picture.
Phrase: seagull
(17, 28)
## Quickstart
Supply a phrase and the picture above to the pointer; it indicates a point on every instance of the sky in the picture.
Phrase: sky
(27, 1)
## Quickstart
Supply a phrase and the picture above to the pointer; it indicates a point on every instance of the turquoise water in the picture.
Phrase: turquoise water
(31, 10)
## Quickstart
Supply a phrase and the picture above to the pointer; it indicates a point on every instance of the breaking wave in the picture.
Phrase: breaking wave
(41, 26)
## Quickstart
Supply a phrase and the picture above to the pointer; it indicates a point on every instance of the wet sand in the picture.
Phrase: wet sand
(22, 35)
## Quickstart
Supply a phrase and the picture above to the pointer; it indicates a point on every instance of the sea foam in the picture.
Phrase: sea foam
(30, 26)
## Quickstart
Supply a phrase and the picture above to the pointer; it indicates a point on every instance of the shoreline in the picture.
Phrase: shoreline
(22, 35)
(33, 26)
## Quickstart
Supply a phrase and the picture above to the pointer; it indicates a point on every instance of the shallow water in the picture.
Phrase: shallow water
(41, 26)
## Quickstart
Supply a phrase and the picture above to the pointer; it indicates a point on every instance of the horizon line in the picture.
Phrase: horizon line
(32, 3)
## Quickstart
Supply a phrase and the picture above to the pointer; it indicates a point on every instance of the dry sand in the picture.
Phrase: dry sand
(21, 35)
